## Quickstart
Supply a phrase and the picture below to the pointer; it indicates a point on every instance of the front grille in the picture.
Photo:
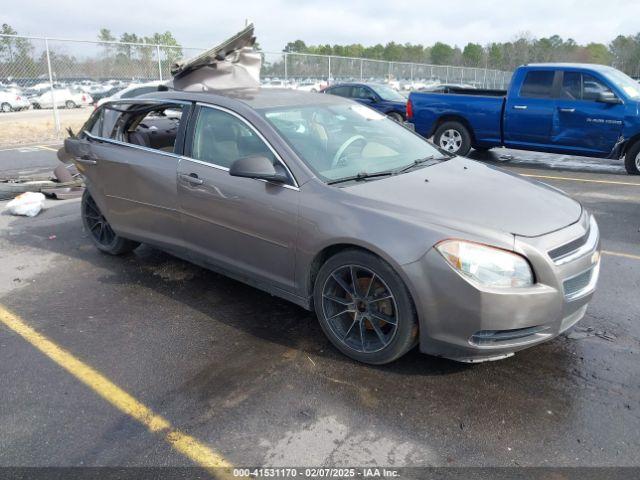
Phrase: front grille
(573, 286)
(568, 248)
(492, 337)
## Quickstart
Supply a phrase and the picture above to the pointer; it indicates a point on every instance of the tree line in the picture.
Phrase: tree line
(623, 52)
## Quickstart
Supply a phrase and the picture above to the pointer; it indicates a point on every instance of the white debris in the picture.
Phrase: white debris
(28, 204)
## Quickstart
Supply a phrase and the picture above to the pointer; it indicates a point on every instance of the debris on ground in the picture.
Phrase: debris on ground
(579, 333)
(27, 204)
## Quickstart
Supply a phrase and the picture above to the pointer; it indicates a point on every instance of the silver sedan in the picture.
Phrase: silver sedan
(328, 204)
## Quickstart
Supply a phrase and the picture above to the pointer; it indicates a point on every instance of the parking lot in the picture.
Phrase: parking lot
(145, 360)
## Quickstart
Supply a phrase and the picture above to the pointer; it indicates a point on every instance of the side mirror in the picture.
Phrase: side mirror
(258, 167)
(608, 97)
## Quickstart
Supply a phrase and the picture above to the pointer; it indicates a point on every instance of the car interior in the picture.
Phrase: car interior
(156, 128)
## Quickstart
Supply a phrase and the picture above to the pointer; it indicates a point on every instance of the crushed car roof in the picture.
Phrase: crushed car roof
(256, 98)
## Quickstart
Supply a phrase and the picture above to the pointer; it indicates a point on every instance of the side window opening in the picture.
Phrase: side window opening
(150, 126)
(220, 138)
(538, 84)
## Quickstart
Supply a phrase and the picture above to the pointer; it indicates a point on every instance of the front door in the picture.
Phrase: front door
(581, 123)
(245, 226)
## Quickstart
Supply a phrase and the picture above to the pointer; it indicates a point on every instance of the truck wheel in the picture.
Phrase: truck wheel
(396, 117)
(453, 137)
(632, 159)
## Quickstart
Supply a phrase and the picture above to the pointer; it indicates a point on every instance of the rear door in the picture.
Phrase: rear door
(244, 226)
(581, 123)
(529, 112)
(134, 167)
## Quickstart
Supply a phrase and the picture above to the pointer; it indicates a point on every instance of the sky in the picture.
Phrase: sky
(206, 22)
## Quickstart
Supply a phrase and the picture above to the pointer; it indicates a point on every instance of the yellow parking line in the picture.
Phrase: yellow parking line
(48, 148)
(188, 446)
(587, 180)
(620, 254)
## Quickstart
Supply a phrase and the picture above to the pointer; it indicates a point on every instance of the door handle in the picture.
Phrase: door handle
(519, 107)
(567, 110)
(86, 159)
(192, 178)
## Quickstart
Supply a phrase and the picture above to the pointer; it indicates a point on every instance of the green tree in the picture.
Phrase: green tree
(442, 54)
(472, 55)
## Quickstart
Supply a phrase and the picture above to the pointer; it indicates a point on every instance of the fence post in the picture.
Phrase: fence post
(159, 62)
(361, 61)
(412, 74)
(56, 117)
(286, 73)
(329, 77)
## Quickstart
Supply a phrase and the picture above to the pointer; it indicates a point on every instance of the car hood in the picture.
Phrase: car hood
(462, 191)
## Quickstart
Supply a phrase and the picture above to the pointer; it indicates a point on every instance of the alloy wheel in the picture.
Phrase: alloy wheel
(98, 226)
(360, 308)
(638, 161)
(451, 140)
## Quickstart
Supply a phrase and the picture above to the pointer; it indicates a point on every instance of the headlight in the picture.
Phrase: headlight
(487, 265)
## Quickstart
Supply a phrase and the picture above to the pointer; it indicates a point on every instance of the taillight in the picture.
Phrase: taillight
(84, 99)
(18, 97)
(409, 110)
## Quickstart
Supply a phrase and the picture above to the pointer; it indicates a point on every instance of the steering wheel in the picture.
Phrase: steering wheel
(343, 148)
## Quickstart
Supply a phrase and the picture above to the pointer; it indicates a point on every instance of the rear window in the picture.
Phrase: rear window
(538, 84)
(340, 91)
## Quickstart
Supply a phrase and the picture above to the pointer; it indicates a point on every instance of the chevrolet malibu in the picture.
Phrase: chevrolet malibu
(329, 204)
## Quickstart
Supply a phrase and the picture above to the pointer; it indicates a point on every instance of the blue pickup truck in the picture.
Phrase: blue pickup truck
(574, 109)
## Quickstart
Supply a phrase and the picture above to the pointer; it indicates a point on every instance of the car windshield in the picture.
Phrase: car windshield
(346, 140)
(624, 82)
(388, 93)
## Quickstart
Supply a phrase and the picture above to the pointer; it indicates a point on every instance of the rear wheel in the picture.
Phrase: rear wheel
(453, 137)
(632, 159)
(364, 308)
(99, 230)
(6, 108)
(70, 104)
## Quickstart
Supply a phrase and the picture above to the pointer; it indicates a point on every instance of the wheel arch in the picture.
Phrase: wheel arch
(629, 143)
(452, 117)
(329, 251)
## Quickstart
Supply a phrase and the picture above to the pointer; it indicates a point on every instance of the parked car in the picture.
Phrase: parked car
(131, 91)
(110, 92)
(574, 109)
(11, 101)
(64, 97)
(331, 205)
(379, 97)
(446, 88)
(311, 86)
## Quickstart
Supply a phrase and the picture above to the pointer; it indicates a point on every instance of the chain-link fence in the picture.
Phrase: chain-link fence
(58, 74)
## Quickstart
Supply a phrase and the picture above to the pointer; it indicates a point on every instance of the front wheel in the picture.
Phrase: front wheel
(632, 159)
(99, 230)
(453, 137)
(6, 108)
(364, 308)
(70, 104)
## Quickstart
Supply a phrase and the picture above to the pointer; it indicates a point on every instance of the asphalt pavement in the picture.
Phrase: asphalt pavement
(250, 378)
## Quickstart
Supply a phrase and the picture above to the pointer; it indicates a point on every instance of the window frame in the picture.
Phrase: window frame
(555, 84)
(601, 79)
(178, 149)
(190, 133)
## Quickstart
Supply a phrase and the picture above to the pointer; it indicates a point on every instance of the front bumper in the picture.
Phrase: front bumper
(465, 321)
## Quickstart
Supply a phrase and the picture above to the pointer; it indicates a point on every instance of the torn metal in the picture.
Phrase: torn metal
(232, 64)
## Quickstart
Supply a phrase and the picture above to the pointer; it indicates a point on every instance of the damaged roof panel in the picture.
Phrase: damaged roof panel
(232, 64)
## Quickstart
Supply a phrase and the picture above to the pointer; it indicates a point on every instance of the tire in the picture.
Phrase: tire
(360, 324)
(99, 230)
(453, 137)
(396, 116)
(6, 107)
(36, 106)
(69, 104)
(632, 159)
